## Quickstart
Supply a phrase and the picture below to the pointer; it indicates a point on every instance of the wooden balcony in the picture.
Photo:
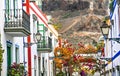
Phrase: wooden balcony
(45, 45)
(17, 23)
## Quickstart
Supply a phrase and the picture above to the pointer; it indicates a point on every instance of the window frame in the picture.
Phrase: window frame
(15, 6)
(17, 54)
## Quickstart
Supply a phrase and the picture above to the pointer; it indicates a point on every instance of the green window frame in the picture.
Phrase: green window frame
(41, 29)
(9, 54)
(9, 11)
(15, 6)
(7, 7)
(7, 4)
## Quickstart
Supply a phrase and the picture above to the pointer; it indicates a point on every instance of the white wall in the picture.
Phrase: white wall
(113, 46)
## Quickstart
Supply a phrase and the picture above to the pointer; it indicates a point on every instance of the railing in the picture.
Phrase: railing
(45, 44)
(17, 18)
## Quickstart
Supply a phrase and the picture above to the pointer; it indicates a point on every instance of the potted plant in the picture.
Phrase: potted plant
(16, 69)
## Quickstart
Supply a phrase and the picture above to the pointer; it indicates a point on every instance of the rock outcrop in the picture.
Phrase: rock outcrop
(80, 19)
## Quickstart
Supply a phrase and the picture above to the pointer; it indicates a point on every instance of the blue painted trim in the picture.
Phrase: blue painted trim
(16, 45)
(114, 5)
(114, 57)
(9, 42)
(111, 14)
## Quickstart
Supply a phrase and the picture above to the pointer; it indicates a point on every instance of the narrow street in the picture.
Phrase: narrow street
(60, 38)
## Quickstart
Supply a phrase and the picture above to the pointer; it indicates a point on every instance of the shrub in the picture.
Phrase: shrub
(16, 69)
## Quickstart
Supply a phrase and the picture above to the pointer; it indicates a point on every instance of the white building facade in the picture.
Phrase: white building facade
(112, 47)
(18, 26)
(11, 23)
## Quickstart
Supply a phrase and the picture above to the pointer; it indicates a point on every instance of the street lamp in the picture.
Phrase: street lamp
(105, 31)
(37, 38)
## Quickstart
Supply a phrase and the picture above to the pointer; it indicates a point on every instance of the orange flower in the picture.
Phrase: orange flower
(58, 49)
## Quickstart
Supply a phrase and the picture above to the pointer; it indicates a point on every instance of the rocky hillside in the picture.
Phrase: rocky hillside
(80, 19)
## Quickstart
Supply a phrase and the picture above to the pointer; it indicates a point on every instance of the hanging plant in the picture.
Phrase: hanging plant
(1, 57)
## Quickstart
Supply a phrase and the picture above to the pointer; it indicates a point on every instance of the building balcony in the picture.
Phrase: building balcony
(17, 22)
(45, 45)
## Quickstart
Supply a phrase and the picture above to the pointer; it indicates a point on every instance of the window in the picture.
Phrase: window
(7, 6)
(11, 7)
(17, 54)
(15, 6)
(9, 54)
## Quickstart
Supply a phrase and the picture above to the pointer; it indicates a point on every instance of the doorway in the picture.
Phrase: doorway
(9, 54)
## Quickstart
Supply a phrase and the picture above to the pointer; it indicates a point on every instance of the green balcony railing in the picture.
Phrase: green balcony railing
(45, 45)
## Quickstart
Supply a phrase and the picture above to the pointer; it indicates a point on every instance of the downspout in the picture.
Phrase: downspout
(29, 41)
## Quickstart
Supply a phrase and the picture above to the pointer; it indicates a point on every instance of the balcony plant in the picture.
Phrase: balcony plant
(16, 69)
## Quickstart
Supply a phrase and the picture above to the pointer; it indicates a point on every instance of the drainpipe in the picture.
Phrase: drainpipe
(29, 41)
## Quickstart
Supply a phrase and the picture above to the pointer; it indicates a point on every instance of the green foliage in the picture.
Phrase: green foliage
(1, 56)
(60, 74)
(100, 46)
(16, 69)
(66, 15)
(57, 25)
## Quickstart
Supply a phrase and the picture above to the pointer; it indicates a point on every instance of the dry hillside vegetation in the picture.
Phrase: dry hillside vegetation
(80, 20)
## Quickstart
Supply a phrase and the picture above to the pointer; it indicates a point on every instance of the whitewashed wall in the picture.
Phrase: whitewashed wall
(113, 46)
